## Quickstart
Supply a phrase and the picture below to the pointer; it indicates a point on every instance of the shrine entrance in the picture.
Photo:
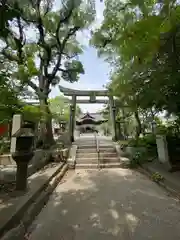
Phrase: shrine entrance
(92, 99)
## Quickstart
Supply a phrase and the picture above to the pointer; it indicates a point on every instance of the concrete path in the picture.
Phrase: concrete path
(113, 204)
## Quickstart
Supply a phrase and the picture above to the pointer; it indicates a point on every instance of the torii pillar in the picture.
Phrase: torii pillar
(72, 118)
(112, 109)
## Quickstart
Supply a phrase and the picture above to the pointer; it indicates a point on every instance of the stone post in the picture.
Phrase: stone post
(162, 150)
(113, 117)
(72, 118)
(16, 125)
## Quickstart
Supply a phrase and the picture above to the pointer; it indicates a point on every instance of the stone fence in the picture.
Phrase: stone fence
(168, 149)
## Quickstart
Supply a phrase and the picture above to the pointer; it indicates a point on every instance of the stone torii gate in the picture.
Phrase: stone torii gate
(92, 94)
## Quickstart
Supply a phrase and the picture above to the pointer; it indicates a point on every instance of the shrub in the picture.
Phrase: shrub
(146, 150)
(123, 144)
(147, 141)
(157, 177)
(4, 147)
(138, 159)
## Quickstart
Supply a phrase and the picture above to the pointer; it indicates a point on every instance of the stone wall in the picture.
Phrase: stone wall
(40, 159)
(6, 159)
(65, 139)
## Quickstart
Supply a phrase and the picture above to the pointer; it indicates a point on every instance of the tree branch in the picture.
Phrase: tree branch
(69, 57)
(71, 32)
(36, 89)
(48, 7)
(68, 15)
(19, 42)
(42, 42)
(62, 45)
(32, 3)
(62, 21)
(67, 70)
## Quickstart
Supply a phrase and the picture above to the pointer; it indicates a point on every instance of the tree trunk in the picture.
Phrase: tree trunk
(46, 124)
(139, 126)
(152, 114)
(119, 130)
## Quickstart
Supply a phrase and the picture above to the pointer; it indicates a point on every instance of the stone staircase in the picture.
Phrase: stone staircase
(88, 157)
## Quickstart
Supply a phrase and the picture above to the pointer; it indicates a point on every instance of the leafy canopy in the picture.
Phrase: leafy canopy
(141, 40)
(40, 40)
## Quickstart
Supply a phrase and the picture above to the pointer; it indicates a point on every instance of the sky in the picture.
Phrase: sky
(96, 69)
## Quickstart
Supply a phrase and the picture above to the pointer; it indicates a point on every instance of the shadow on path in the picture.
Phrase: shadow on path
(113, 204)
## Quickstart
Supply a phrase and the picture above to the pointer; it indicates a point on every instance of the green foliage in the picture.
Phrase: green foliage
(146, 149)
(146, 59)
(31, 113)
(78, 110)
(4, 146)
(55, 48)
(148, 141)
(157, 177)
(38, 40)
(137, 160)
(7, 13)
(59, 107)
(9, 98)
(171, 129)
(73, 68)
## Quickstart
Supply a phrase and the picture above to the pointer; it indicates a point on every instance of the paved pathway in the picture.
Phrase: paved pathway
(113, 204)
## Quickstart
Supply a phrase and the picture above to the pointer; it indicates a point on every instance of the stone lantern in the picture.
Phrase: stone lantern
(24, 151)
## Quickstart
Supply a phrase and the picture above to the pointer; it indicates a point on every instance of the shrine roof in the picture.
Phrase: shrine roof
(93, 116)
(87, 115)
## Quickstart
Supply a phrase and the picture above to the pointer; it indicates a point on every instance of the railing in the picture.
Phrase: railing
(97, 149)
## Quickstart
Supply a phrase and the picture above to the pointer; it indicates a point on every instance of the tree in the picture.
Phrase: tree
(78, 110)
(41, 61)
(59, 107)
(145, 59)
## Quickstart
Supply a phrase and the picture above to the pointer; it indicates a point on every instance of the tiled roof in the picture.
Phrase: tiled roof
(95, 116)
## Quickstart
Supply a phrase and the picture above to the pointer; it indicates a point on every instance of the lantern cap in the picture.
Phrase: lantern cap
(24, 132)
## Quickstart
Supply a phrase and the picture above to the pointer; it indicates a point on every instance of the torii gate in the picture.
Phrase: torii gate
(92, 94)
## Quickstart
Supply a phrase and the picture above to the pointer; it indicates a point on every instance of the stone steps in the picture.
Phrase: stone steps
(107, 154)
(87, 144)
(109, 160)
(95, 154)
(86, 160)
(95, 166)
(87, 156)
(94, 150)
(86, 140)
(95, 160)
(84, 151)
(87, 147)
